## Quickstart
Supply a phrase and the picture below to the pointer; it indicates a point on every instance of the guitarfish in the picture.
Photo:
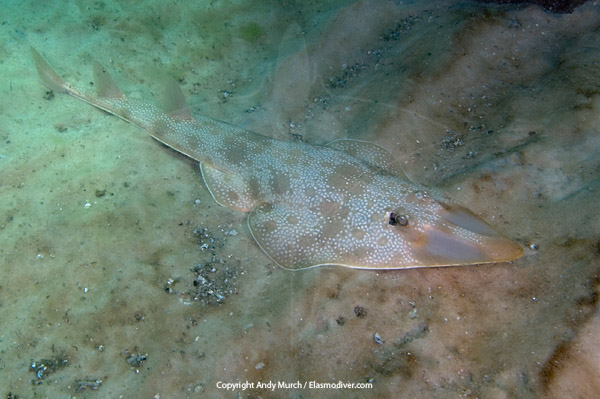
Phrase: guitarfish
(346, 203)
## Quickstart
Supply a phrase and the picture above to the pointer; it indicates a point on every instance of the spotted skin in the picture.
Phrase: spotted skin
(310, 205)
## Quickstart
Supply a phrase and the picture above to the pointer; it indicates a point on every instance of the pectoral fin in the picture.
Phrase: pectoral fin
(290, 235)
(229, 189)
(371, 154)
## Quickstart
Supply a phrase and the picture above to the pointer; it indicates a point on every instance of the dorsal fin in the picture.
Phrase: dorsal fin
(174, 102)
(105, 85)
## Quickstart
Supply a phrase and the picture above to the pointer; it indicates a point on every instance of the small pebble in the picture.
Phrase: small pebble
(413, 313)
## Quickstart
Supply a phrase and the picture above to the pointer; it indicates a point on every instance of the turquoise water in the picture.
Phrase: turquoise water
(121, 277)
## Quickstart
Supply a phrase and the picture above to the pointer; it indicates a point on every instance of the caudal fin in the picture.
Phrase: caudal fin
(107, 97)
(111, 99)
(47, 74)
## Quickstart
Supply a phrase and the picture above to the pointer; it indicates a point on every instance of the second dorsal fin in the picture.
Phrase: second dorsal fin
(105, 85)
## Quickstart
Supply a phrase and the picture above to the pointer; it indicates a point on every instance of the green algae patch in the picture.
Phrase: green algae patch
(252, 32)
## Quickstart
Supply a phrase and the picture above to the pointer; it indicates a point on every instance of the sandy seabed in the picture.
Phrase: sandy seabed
(121, 277)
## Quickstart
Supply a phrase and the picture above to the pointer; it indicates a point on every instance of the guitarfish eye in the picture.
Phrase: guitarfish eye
(398, 219)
